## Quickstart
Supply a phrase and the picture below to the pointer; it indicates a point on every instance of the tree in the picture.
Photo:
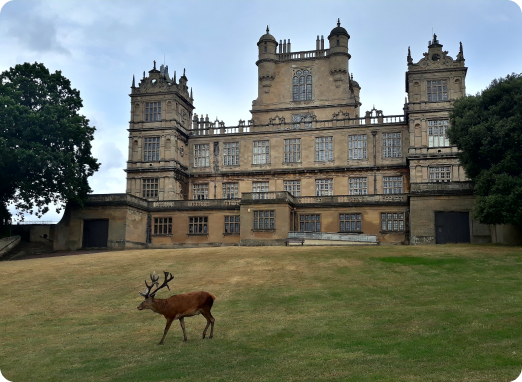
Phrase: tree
(45, 144)
(487, 128)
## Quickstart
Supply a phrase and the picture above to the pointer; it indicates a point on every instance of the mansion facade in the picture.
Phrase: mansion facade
(308, 164)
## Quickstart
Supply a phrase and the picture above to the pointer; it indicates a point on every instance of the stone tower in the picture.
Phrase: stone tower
(161, 113)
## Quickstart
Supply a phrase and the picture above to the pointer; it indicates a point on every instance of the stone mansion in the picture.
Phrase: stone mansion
(309, 163)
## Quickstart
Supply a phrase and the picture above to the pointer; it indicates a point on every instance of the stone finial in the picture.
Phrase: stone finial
(410, 60)
(267, 30)
(460, 56)
(174, 76)
(154, 64)
(191, 93)
(183, 72)
(338, 22)
(144, 74)
(133, 82)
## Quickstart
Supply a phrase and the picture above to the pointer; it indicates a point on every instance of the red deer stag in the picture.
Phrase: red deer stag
(179, 306)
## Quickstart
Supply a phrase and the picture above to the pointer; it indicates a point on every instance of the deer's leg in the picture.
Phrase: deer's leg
(211, 319)
(208, 324)
(167, 327)
(182, 323)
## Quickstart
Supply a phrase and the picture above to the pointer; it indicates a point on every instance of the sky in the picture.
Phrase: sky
(100, 45)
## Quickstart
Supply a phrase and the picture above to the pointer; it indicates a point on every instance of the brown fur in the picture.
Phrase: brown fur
(179, 306)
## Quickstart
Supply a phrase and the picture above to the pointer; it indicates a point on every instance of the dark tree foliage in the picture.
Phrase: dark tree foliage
(45, 145)
(487, 128)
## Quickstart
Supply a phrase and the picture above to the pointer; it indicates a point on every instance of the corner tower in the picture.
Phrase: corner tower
(161, 113)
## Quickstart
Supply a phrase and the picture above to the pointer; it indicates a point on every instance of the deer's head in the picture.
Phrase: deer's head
(148, 294)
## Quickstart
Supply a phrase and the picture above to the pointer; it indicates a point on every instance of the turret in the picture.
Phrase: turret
(267, 46)
(338, 53)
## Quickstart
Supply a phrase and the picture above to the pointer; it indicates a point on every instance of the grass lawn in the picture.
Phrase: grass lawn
(401, 313)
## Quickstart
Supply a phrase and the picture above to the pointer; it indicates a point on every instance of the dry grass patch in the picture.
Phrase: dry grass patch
(439, 313)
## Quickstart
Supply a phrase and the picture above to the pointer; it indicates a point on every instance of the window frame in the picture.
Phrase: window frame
(201, 222)
(357, 147)
(440, 94)
(162, 224)
(324, 148)
(352, 219)
(292, 150)
(438, 170)
(270, 218)
(302, 85)
(262, 157)
(149, 182)
(294, 186)
(313, 219)
(235, 223)
(386, 185)
(324, 191)
(153, 111)
(439, 126)
(225, 187)
(388, 220)
(200, 189)
(390, 149)
(230, 154)
(358, 185)
(201, 155)
(151, 149)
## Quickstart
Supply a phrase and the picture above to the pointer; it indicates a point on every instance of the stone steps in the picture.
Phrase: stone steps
(27, 250)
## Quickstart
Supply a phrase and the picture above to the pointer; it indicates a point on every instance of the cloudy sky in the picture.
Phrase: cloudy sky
(99, 45)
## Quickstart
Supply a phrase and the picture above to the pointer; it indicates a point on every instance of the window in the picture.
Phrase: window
(324, 149)
(200, 191)
(261, 188)
(392, 221)
(292, 150)
(310, 223)
(440, 174)
(437, 133)
(152, 111)
(231, 154)
(391, 143)
(264, 219)
(202, 155)
(151, 150)
(230, 190)
(162, 226)
(323, 187)
(298, 118)
(358, 186)
(357, 147)
(150, 187)
(302, 85)
(261, 152)
(293, 187)
(392, 184)
(232, 224)
(350, 222)
(437, 91)
(198, 225)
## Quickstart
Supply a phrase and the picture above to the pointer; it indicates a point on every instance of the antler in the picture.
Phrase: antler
(147, 293)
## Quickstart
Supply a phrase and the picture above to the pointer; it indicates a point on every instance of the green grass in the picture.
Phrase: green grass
(436, 313)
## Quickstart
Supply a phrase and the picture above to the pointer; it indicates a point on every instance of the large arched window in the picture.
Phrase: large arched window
(302, 85)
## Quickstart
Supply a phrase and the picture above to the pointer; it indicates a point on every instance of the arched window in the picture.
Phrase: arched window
(302, 85)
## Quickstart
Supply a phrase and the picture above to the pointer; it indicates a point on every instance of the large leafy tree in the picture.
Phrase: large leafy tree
(487, 128)
(45, 145)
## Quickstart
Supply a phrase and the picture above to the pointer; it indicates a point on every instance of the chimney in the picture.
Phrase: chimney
(284, 46)
(289, 50)
(280, 46)
(322, 42)
(317, 43)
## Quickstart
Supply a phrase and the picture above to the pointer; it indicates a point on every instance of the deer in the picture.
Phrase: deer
(178, 306)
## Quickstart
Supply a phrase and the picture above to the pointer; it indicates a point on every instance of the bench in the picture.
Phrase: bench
(294, 241)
